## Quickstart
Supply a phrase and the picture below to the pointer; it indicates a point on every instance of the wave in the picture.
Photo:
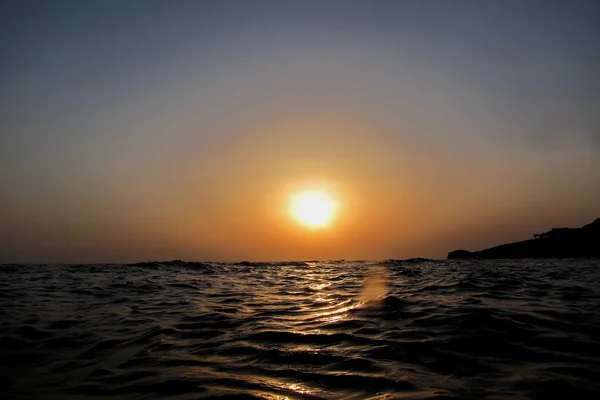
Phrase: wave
(430, 329)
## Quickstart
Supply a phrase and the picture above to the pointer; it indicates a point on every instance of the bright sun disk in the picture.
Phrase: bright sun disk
(314, 209)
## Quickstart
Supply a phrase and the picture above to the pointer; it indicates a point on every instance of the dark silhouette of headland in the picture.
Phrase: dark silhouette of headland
(556, 243)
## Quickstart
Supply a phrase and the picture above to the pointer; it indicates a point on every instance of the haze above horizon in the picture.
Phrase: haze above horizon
(154, 130)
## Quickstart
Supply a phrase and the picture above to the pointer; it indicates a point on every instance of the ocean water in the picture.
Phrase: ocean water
(414, 329)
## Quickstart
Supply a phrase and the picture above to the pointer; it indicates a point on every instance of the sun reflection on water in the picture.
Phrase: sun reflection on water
(328, 305)
(337, 313)
(294, 387)
(332, 309)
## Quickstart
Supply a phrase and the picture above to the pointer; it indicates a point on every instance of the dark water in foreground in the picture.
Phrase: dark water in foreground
(443, 330)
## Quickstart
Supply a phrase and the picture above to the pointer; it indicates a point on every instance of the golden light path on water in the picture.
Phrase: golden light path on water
(328, 307)
(375, 287)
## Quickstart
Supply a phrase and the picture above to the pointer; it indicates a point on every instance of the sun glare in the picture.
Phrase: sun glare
(313, 209)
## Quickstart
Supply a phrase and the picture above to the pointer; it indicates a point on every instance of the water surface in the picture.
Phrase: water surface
(416, 329)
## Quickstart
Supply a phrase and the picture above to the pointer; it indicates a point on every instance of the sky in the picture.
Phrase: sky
(157, 130)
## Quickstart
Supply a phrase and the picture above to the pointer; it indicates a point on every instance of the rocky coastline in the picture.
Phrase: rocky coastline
(556, 243)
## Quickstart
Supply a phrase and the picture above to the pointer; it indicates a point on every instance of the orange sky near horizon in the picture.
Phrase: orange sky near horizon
(181, 131)
(236, 206)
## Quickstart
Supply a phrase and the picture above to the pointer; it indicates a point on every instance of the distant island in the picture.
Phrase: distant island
(556, 243)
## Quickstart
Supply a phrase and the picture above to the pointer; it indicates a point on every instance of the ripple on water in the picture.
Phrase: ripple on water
(408, 329)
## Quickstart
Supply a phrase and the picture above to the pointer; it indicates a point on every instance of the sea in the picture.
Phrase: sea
(394, 329)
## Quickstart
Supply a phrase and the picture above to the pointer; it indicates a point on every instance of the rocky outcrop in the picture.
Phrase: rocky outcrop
(462, 254)
(556, 243)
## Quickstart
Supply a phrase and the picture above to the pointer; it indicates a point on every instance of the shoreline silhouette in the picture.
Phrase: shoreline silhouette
(556, 243)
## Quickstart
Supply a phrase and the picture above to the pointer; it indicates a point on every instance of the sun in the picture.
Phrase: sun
(314, 209)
